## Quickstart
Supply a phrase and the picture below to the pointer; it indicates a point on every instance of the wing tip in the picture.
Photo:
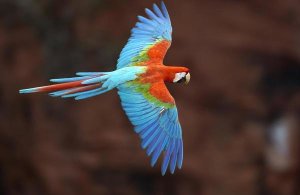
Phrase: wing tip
(165, 10)
(164, 169)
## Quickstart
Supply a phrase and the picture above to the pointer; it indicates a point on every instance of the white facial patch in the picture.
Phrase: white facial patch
(179, 76)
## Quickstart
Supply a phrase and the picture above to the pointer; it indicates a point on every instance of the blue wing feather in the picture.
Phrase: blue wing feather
(146, 32)
(146, 134)
(142, 114)
(151, 140)
(157, 126)
(154, 142)
(140, 121)
(174, 157)
(159, 149)
(157, 11)
(167, 156)
(180, 154)
(165, 11)
(143, 129)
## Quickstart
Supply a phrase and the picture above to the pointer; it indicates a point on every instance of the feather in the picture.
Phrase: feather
(90, 73)
(165, 11)
(159, 149)
(50, 88)
(64, 80)
(180, 154)
(157, 11)
(158, 126)
(174, 157)
(146, 33)
(167, 156)
(151, 14)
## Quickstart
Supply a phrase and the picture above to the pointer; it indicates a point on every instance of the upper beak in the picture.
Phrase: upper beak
(187, 78)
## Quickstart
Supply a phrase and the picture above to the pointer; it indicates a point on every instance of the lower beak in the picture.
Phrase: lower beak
(187, 78)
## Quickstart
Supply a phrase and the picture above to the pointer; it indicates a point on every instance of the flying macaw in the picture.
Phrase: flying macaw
(140, 81)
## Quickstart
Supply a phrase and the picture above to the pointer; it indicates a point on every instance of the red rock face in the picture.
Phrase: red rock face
(244, 58)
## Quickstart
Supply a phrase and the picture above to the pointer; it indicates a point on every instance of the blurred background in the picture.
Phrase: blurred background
(240, 112)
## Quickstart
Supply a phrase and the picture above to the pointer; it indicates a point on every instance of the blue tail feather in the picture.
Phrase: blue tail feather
(100, 91)
(89, 73)
(30, 90)
(64, 80)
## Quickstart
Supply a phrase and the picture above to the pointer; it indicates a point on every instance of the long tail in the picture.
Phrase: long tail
(87, 84)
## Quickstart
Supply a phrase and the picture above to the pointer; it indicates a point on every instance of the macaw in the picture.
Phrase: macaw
(140, 79)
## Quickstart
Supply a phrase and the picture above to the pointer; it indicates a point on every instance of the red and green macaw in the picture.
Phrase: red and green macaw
(140, 81)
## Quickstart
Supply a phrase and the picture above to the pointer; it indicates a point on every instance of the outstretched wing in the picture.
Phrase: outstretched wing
(155, 121)
(150, 39)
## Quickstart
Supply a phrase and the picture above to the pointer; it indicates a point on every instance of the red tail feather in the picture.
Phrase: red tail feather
(83, 88)
(61, 86)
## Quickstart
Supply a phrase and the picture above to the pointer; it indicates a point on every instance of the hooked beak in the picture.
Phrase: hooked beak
(187, 78)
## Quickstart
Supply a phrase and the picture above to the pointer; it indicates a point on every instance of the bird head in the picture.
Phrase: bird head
(182, 77)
